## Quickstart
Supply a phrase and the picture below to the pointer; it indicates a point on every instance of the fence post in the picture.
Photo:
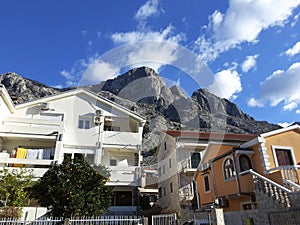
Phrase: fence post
(67, 221)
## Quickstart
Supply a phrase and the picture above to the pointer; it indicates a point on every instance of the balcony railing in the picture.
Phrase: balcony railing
(288, 173)
(270, 188)
(185, 166)
(186, 193)
(13, 124)
(126, 138)
(125, 175)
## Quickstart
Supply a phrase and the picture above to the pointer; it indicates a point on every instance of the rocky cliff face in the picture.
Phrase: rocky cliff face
(143, 91)
(23, 90)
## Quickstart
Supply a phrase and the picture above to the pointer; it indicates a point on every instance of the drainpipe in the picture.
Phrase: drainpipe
(196, 188)
(236, 171)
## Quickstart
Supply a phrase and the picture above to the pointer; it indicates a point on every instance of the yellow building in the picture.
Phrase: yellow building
(261, 172)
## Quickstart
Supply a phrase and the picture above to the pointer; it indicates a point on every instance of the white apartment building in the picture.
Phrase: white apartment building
(178, 159)
(77, 123)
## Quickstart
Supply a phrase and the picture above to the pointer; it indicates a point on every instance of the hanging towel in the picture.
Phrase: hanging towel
(47, 153)
(3, 155)
(40, 153)
(32, 154)
(21, 154)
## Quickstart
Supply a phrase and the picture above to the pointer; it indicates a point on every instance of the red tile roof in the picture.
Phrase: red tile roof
(217, 136)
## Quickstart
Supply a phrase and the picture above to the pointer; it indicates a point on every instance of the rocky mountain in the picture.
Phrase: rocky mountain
(143, 91)
(22, 89)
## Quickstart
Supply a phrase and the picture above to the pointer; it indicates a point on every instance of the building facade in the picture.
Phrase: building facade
(179, 156)
(260, 175)
(76, 123)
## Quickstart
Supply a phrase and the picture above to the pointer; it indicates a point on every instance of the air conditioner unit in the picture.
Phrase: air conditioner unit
(222, 202)
(97, 120)
(44, 106)
(98, 112)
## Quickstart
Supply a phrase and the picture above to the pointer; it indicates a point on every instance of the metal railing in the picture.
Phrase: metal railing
(103, 220)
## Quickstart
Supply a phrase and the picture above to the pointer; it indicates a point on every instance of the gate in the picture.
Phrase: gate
(164, 219)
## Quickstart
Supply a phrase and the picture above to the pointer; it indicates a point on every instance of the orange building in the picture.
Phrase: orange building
(262, 171)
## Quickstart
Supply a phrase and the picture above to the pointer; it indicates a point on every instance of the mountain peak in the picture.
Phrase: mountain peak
(22, 89)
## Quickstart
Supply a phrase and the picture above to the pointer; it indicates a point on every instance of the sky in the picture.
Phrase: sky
(247, 51)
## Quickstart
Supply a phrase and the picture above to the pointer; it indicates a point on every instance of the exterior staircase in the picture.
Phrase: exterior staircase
(287, 197)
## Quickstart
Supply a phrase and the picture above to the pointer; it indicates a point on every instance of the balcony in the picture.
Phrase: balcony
(20, 125)
(126, 138)
(186, 193)
(290, 176)
(124, 176)
(186, 167)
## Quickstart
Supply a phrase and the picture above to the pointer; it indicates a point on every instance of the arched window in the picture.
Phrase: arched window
(228, 168)
(245, 163)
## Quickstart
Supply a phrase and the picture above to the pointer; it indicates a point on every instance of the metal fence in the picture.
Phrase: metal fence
(283, 218)
(164, 219)
(103, 220)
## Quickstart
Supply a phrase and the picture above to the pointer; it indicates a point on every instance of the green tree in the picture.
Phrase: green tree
(74, 188)
(14, 187)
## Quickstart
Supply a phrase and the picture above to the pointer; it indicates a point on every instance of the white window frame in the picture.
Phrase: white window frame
(274, 147)
(209, 189)
(253, 205)
(85, 119)
(223, 164)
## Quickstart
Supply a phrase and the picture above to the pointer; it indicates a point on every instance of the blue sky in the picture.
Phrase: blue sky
(250, 48)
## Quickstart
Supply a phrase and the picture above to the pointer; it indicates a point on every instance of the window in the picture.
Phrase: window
(84, 123)
(228, 169)
(248, 205)
(171, 187)
(164, 191)
(123, 198)
(170, 163)
(245, 163)
(195, 159)
(113, 162)
(165, 145)
(206, 183)
(283, 156)
(164, 169)
(159, 192)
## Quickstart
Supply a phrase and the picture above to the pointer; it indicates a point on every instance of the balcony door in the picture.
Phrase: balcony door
(123, 198)
(195, 159)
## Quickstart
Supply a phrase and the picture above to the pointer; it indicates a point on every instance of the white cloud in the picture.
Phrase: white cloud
(282, 87)
(84, 32)
(294, 50)
(153, 49)
(296, 18)
(74, 74)
(243, 22)
(252, 102)
(89, 71)
(227, 84)
(98, 71)
(150, 8)
(290, 106)
(249, 63)
(298, 111)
